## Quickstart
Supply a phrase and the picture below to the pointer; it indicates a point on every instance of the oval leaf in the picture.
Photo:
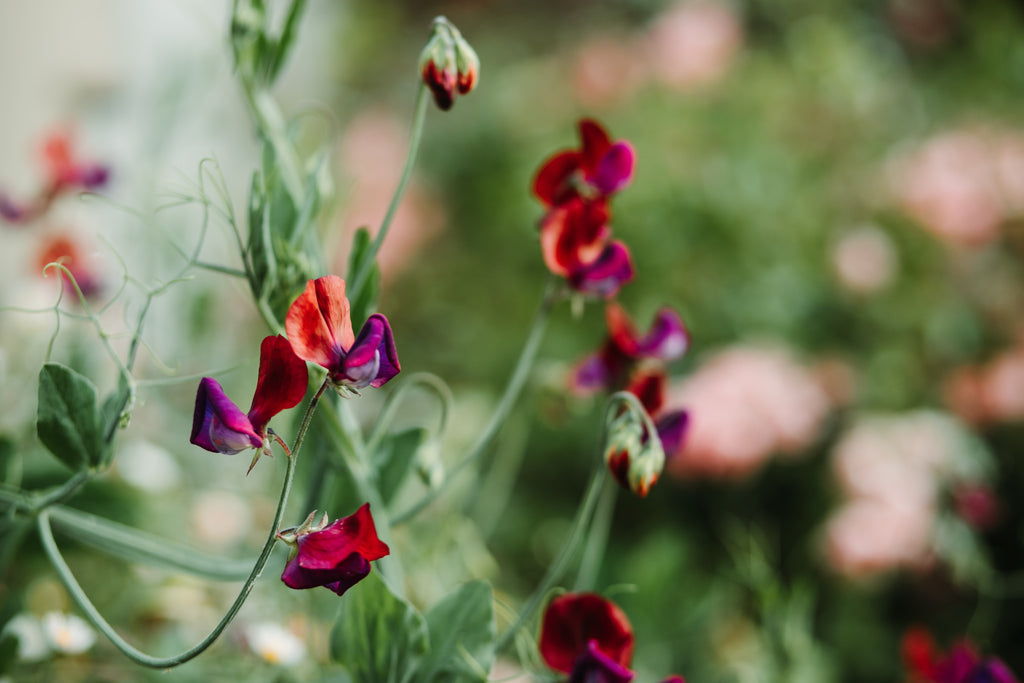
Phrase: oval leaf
(67, 419)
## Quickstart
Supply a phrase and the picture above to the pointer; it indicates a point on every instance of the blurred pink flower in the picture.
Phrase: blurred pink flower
(867, 536)
(993, 392)
(864, 259)
(372, 152)
(693, 43)
(747, 403)
(607, 70)
(963, 184)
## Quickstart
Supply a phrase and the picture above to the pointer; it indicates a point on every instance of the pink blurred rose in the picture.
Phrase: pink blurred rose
(372, 153)
(962, 184)
(747, 403)
(864, 259)
(694, 43)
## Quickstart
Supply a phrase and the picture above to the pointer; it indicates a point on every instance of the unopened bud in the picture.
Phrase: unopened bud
(634, 457)
(448, 64)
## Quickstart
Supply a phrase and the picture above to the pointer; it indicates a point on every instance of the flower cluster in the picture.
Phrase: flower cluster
(575, 187)
(448, 64)
(64, 173)
(589, 638)
(636, 364)
(961, 664)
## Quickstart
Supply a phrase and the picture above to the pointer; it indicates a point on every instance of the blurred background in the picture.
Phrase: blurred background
(830, 193)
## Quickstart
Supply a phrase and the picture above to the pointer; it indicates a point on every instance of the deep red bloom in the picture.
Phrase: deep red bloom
(574, 620)
(219, 426)
(319, 327)
(596, 170)
(336, 556)
(961, 664)
(593, 666)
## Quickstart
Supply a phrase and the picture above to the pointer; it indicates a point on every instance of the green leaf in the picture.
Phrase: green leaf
(378, 637)
(394, 459)
(284, 43)
(68, 420)
(365, 302)
(462, 635)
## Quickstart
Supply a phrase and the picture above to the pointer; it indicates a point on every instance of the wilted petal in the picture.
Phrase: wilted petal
(571, 621)
(282, 381)
(607, 274)
(593, 666)
(218, 425)
(373, 359)
(615, 169)
(318, 322)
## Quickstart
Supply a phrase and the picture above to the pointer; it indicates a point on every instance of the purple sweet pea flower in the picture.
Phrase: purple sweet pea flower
(220, 426)
(319, 327)
(606, 274)
(335, 556)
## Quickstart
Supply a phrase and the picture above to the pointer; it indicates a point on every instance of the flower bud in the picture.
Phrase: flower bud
(634, 456)
(448, 63)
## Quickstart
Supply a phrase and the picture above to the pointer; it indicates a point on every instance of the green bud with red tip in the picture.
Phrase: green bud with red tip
(448, 64)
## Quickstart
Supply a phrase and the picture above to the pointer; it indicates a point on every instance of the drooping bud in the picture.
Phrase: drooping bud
(634, 453)
(448, 64)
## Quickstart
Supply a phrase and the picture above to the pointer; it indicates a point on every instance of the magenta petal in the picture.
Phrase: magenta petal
(373, 359)
(11, 211)
(338, 578)
(991, 671)
(667, 339)
(593, 374)
(615, 170)
(218, 425)
(282, 381)
(593, 666)
(607, 274)
(672, 431)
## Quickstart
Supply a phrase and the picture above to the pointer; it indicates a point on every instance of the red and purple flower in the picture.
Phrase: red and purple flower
(335, 556)
(587, 637)
(319, 327)
(220, 426)
(575, 186)
(961, 664)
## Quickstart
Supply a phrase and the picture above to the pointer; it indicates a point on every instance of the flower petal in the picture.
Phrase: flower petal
(667, 338)
(615, 169)
(672, 429)
(594, 666)
(281, 384)
(594, 145)
(574, 234)
(648, 385)
(605, 276)
(552, 184)
(372, 360)
(572, 620)
(318, 323)
(326, 548)
(218, 425)
(339, 578)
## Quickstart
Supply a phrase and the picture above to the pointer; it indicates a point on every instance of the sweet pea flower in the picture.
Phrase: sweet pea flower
(593, 666)
(336, 556)
(595, 171)
(320, 329)
(961, 664)
(219, 426)
(585, 631)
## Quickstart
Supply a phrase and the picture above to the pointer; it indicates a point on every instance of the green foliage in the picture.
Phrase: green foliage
(68, 420)
(462, 634)
(364, 303)
(394, 459)
(378, 637)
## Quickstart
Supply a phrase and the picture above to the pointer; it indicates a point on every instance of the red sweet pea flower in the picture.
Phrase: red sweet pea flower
(219, 426)
(320, 329)
(961, 664)
(575, 620)
(335, 556)
(596, 170)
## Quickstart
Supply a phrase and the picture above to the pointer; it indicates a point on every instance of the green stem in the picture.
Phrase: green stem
(597, 539)
(93, 615)
(271, 124)
(560, 564)
(63, 492)
(508, 399)
(358, 280)
(104, 627)
(387, 413)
